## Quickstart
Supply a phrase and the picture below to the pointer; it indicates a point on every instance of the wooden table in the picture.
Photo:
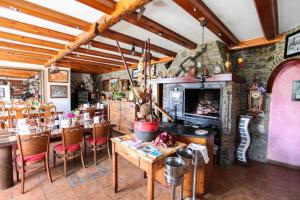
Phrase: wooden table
(153, 167)
(6, 161)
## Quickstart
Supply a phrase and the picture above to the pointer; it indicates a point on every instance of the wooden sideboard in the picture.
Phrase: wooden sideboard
(122, 115)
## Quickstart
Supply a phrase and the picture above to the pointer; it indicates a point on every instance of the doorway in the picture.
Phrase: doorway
(284, 122)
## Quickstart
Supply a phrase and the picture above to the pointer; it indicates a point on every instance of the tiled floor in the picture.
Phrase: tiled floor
(257, 182)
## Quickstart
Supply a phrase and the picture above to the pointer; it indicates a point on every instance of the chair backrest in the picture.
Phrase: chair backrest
(101, 130)
(72, 135)
(91, 111)
(2, 106)
(49, 110)
(34, 143)
(3, 124)
(21, 111)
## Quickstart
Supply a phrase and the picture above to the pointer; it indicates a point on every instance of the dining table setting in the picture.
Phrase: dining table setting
(25, 126)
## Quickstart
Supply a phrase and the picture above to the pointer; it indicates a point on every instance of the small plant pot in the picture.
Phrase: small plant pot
(146, 131)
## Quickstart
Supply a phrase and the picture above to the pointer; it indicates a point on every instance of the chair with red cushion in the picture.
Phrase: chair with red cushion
(71, 146)
(99, 139)
(33, 150)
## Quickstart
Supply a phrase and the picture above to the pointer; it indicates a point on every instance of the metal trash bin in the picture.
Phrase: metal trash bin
(174, 168)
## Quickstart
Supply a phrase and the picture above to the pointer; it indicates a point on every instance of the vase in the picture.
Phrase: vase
(146, 131)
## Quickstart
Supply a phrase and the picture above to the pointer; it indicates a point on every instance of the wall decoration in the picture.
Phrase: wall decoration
(106, 85)
(58, 91)
(296, 91)
(135, 73)
(114, 84)
(292, 45)
(62, 76)
(255, 100)
(2, 92)
(124, 83)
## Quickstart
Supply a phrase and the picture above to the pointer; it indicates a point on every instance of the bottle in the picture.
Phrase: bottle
(56, 122)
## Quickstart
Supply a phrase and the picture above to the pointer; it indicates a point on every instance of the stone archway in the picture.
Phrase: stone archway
(278, 69)
(284, 127)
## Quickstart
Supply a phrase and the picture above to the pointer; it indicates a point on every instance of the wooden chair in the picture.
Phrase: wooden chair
(100, 138)
(72, 138)
(21, 112)
(91, 111)
(49, 111)
(33, 149)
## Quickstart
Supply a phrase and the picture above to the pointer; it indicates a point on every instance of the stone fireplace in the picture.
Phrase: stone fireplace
(224, 96)
(216, 105)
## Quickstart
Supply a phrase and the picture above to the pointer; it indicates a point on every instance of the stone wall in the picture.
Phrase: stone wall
(260, 63)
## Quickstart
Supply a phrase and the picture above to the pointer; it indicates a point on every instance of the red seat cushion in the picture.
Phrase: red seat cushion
(99, 141)
(32, 158)
(71, 148)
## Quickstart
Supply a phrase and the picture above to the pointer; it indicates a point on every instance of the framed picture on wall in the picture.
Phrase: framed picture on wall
(58, 91)
(62, 76)
(296, 90)
(135, 73)
(114, 84)
(292, 45)
(2, 92)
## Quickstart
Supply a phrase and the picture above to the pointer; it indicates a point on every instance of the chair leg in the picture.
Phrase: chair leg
(48, 169)
(95, 155)
(17, 171)
(54, 159)
(108, 150)
(22, 179)
(81, 157)
(15, 163)
(65, 165)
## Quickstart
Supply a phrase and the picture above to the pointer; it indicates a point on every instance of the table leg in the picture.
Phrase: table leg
(114, 168)
(150, 182)
(6, 168)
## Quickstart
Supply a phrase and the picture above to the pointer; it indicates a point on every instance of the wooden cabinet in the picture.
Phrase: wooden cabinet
(122, 115)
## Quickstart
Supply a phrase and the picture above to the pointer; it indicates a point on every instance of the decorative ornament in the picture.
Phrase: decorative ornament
(228, 64)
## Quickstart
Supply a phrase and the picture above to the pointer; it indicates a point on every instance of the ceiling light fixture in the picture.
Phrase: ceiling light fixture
(14, 8)
(141, 13)
(132, 51)
(53, 69)
(89, 45)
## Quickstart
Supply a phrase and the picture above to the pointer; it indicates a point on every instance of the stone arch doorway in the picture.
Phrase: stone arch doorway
(284, 121)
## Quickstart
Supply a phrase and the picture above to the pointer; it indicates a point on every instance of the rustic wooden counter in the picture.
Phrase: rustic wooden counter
(153, 167)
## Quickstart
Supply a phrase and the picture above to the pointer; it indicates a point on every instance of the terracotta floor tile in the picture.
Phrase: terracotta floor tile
(6, 194)
(259, 181)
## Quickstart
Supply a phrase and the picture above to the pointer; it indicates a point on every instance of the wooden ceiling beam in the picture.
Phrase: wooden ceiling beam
(16, 73)
(257, 42)
(84, 62)
(198, 10)
(144, 23)
(106, 6)
(101, 45)
(22, 59)
(154, 62)
(84, 67)
(139, 43)
(20, 26)
(104, 55)
(123, 7)
(22, 47)
(268, 16)
(95, 59)
(46, 13)
(80, 68)
(23, 53)
(158, 29)
(29, 40)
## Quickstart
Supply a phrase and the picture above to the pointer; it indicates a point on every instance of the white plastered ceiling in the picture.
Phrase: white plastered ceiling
(238, 15)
